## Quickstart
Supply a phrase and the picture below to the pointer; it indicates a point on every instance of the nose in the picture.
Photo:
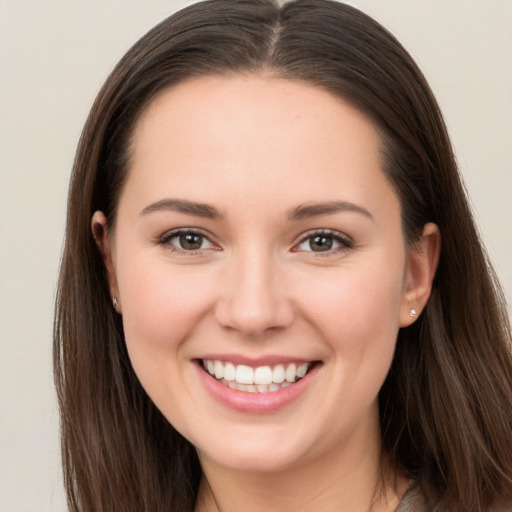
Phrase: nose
(253, 297)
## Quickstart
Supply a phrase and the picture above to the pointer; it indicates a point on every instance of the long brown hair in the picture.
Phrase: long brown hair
(446, 406)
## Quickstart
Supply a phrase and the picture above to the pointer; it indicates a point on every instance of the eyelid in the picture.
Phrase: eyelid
(344, 240)
(166, 237)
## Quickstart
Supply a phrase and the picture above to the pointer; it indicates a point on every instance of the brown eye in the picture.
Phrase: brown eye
(191, 241)
(325, 241)
(186, 241)
(321, 243)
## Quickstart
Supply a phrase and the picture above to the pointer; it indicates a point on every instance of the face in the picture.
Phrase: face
(260, 268)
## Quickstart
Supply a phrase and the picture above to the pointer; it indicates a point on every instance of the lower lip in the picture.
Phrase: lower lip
(256, 403)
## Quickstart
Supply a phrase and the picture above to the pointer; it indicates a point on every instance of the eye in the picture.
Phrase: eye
(186, 240)
(324, 241)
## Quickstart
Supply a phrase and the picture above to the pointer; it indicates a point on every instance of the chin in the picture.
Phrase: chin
(255, 457)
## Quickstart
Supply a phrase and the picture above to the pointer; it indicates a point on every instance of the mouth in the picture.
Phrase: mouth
(260, 379)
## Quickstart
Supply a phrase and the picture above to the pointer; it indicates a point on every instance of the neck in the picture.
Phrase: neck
(339, 480)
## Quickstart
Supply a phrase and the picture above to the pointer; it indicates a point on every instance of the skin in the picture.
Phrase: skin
(255, 149)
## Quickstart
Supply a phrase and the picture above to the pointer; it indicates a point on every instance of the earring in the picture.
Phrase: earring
(413, 312)
(114, 302)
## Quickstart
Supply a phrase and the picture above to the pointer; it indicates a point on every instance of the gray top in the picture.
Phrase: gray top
(412, 501)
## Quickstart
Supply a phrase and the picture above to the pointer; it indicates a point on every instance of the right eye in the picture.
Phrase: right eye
(186, 240)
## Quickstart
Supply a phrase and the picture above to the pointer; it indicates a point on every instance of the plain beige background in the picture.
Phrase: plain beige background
(54, 55)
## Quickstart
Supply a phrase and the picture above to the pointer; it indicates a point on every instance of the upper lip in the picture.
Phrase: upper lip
(254, 362)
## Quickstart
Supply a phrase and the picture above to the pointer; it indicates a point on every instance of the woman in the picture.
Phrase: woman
(272, 294)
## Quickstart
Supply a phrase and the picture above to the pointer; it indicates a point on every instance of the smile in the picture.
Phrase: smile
(262, 379)
(255, 387)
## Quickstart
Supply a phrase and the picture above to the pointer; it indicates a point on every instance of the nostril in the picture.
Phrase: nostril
(254, 314)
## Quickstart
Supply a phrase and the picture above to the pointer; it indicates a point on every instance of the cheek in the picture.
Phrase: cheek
(356, 301)
(161, 305)
(358, 314)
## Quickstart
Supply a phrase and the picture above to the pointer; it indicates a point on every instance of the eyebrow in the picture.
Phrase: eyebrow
(301, 212)
(304, 211)
(183, 206)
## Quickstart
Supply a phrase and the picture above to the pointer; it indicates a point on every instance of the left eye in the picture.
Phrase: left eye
(323, 242)
(188, 241)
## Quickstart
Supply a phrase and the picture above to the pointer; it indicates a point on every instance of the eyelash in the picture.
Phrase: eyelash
(169, 236)
(344, 242)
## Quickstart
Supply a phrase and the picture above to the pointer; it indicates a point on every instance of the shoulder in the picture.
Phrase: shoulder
(413, 500)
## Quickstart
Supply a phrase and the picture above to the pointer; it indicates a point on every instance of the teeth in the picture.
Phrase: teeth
(291, 371)
(218, 369)
(278, 374)
(263, 375)
(253, 380)
(302, 370)
(244, 374)
(229, 371)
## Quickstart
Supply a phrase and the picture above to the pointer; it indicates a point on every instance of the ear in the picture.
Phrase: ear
(422, 262)
(103, 241)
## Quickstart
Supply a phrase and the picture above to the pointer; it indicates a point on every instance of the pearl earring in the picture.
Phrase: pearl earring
(114, 302)
(413, 312)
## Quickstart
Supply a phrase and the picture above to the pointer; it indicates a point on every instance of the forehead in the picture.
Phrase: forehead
(252, 136)
(240, 105)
